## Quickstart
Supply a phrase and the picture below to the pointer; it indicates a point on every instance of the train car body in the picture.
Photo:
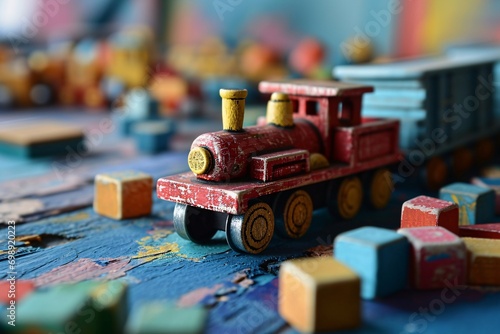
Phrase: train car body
(446, 107)
(244, 179)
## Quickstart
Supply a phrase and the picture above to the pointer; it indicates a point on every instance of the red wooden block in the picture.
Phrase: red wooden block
(437, 257)
(487, 231)
(17, 291)
(429, 211)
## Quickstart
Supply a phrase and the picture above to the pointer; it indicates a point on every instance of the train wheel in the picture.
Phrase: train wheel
(462, 161)
(193, 223)
(251, 232)
(381, 187)
(436, 173)
(349, 198)
(485, 151)
(297, 215)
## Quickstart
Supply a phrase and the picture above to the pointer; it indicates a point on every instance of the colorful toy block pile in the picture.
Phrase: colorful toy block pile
(442, 242)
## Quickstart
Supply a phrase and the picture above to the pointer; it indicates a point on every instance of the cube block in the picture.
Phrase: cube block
(483, 261)
(491, 183)
(161, 318)
(123, 195)
(319, 294)
(476, 204)
(429, 211)
(487, 231)
(153, 136)
(379, 256)
(437, 256)
(68, 308)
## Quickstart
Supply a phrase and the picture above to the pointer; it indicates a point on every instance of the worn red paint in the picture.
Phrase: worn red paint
(429, 211)
(487, 231)
(277, 165)
(437, 257)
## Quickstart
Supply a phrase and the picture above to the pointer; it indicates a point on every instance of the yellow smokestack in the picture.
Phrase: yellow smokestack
(233, 108)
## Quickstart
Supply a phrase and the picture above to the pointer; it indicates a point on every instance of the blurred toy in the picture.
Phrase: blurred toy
(153, 136)
(84, 70)
(307, 58)
(484, 261)
(91, 307)
(34, 140)
(246, 178)
(319, 294)
(446, 108)
(163, 318)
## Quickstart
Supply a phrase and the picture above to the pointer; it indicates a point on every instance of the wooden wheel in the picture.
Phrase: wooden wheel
(251, 232)
(297, 215)
(462, 162)
(349, 197)
(193, 223)
(436, 173)
(381, 187)
(485, 151)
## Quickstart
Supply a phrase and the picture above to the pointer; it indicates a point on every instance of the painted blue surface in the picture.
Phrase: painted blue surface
(476, 204)
(153, 137)
(379, 256)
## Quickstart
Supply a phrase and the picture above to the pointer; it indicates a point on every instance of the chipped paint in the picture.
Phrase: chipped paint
(196, 296)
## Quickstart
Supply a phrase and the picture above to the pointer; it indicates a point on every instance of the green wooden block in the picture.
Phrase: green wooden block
(164, 318)
(86, 307)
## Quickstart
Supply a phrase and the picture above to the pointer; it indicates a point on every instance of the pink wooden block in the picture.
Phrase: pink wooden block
(438, 257)
(429, 211)
(487, 231)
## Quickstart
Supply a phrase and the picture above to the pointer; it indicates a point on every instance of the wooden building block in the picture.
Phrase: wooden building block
(487, 231)
(123, 195)
(319, 294)
(153, 136)
(90, 306)
(476, 204)
(483, 261)
(437, 256)
(40, 139)
(379, 256)
(491, 183)
(162, 318)
(429, 211)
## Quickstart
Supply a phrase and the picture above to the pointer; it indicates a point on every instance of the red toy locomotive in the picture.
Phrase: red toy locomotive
(311, 152)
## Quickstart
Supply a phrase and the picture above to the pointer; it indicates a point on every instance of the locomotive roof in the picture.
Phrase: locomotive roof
(313, 88)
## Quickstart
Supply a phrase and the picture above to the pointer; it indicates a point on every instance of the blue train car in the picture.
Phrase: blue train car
(446, 107)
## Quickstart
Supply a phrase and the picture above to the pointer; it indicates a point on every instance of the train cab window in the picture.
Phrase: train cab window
(345, 113)
(295, 106)
(312, 107)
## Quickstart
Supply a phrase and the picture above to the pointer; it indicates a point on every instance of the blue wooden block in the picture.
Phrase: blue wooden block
(153, 136)
(379, 256)
(162, 318)
(476, 204)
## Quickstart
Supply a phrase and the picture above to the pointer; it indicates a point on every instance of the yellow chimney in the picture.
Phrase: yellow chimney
(279, 110)
(233, 108)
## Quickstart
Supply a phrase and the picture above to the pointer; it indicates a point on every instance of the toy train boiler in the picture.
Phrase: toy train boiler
(312, 151)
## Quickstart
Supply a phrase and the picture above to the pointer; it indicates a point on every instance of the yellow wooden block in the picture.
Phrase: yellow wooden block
(319, 294)
(483, 261)
(37, 133)
(123, 195)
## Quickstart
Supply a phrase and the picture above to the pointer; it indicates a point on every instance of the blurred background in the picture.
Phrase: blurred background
(173, 56)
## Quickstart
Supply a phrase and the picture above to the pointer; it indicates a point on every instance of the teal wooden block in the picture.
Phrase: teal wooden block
(476, 204)
(379, 256)
(163, 318)
(153, 137)
(86, 307)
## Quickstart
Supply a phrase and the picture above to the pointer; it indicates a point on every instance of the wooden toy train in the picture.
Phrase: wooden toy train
(313, 152)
